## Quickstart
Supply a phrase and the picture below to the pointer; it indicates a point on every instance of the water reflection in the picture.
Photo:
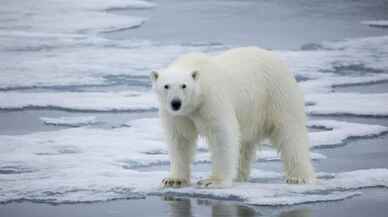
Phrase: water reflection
(184, 207)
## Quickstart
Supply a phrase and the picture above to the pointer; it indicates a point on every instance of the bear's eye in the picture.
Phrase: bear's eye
(166, 86)
(183, 86)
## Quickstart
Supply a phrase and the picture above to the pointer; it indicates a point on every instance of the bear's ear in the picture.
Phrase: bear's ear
(195, 75)
(154, 76)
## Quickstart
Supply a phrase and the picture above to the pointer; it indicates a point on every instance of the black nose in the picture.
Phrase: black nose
(176, 104)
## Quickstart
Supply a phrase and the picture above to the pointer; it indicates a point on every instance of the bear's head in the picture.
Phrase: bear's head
(178, 91)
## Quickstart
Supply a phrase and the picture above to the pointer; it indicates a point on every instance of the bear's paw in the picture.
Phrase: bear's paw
(300, 180)
(174, 182)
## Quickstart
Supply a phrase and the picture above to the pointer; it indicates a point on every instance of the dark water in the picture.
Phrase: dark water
(28, 121)
(271, 24)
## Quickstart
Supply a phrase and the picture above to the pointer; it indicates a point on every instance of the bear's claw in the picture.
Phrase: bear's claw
(174, 182)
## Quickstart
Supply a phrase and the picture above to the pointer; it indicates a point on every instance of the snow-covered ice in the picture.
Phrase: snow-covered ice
(60, 16)
(88, 164)
(341, 186)
(79, 101)
(110, 62)
(350, 104)
(70, 121)
(337, 132)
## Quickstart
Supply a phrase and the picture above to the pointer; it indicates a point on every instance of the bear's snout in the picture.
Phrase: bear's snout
(176, 104)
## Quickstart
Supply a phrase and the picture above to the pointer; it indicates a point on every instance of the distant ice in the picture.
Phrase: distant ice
(88, 164)
(337, 132)
(352, 61)
(70, 121)
(61, 16)
(376, 23)
(348, 104)
(106, 60)
(83, 101)
(349, 62)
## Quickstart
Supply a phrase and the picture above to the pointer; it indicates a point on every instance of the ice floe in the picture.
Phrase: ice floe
(338, 132)
(87, 164)
(70, 121)
(72, 16)
(341, 186)
(83, 101)
(348, 104)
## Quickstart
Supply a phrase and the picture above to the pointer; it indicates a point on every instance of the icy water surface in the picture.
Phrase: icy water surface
(79, 127)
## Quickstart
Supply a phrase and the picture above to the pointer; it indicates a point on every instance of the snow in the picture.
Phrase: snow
(376, 23)
(341, 186)
(337, 132)
(61, 16)
(350, 104)
(106, 62)
(349, 62)
(89, 164)
(81, 101)
(62, 43)
(70, 121)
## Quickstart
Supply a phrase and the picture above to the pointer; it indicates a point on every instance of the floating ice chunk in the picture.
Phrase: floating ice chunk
(340, 187)
(348, 103)
(83, 101)
(376, 23)
(338, 132)
(352, 61)
(70, 121)
(327, 82)
(87, 164)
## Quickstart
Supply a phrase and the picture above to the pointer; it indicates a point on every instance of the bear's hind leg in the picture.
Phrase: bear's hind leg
(292, 143)
(224, 150)
(247, 155)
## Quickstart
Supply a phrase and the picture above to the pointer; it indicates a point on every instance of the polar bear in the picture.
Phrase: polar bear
(234, 100)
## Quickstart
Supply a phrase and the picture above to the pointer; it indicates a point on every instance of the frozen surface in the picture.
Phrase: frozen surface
(338, 132)
(376, 23)
(82, 101)
(349, 104)
(70, 121)
(88, 164)
(128, 63)
(58, 43)
(61, 16)
(338, 187)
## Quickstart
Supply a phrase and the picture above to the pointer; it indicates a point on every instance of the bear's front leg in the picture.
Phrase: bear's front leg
(181, 139)
(224, 149)
(181, 153)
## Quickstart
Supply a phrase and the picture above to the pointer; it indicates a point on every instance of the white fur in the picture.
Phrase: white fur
(236, 100)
